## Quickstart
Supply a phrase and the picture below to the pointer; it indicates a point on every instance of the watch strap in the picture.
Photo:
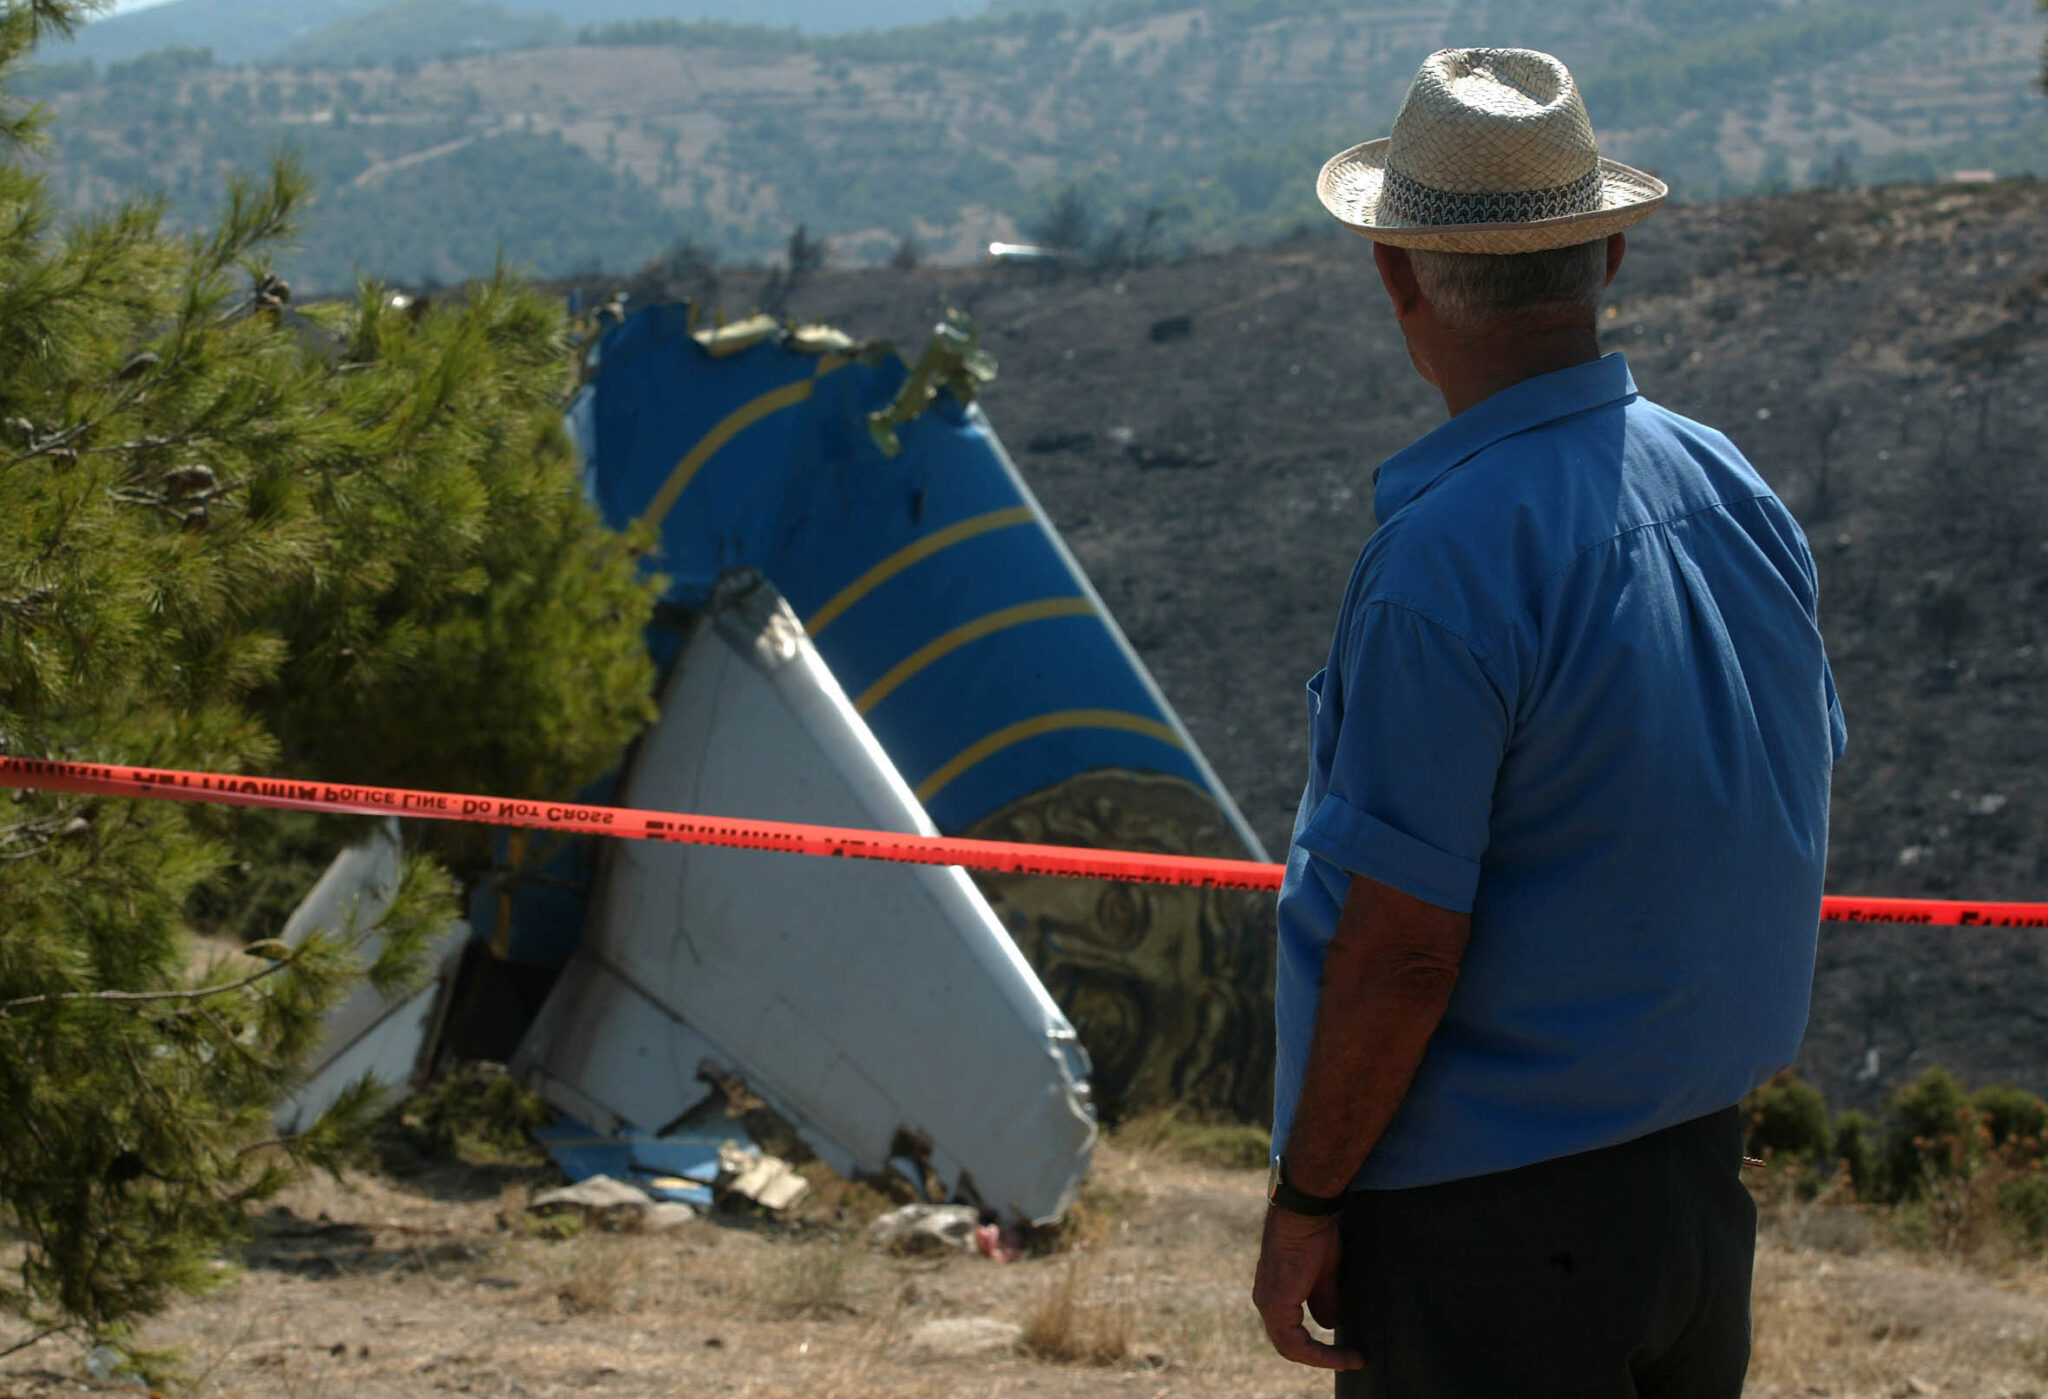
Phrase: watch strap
(1286, 1197)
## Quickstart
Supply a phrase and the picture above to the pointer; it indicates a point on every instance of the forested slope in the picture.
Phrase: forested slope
(1209, 118)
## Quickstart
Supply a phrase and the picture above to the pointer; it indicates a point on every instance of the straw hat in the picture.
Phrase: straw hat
(1493, 153)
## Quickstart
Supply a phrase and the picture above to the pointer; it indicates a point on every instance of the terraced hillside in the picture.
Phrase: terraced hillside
(601, 152)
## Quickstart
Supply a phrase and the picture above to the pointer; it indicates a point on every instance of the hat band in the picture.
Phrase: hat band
(1409, 203)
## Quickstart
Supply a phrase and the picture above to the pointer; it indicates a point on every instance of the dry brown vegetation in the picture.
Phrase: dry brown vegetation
(1074, 1320)
(379, 1288)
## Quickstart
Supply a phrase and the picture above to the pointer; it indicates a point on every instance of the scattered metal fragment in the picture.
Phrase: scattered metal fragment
(388, 1040)
(768, 1181)
(926, 1229)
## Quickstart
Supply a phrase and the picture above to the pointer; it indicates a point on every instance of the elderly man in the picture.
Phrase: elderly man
(1552, 899)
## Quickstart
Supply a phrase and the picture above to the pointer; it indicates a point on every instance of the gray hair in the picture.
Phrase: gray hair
(1471, 290)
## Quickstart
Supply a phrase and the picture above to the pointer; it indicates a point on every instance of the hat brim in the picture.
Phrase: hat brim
(1352, 182)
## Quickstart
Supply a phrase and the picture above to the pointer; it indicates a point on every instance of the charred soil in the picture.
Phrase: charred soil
(1205, 434)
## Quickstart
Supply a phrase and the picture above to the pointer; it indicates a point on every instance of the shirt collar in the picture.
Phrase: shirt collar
(1518, 408)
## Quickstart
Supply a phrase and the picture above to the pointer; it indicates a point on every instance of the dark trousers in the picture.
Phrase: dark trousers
(1621, 1273)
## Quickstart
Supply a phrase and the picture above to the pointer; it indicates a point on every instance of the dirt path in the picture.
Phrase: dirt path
(379, 1288)
(385, 167)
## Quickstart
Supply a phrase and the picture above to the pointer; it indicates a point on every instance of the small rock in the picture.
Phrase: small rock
(664, 1215)
(955, 1336)
(926, 1229)
(601, 1199)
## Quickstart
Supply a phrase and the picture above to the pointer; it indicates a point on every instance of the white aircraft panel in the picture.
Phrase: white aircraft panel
(859, 999)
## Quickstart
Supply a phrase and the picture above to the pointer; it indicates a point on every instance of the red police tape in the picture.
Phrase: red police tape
(1003, 857)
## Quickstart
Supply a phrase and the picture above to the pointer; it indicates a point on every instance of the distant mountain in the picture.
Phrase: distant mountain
(415, 29)
(236, 30)
(1174, 123)
(243, 31)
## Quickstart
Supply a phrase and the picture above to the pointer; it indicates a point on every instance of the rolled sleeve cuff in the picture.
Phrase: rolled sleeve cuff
(1365, 845)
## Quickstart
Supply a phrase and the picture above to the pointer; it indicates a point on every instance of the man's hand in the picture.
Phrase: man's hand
(1298, 1263)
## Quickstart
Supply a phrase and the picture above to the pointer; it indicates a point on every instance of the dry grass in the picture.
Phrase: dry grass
(1155, 1304)
(1070, 1322)
(590, 1288)
(1217, 1328)
(1880, 1325)
(811, 1280)
(1177, 1134)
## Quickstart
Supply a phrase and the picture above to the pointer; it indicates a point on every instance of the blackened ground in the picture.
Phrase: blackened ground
(1205, 434)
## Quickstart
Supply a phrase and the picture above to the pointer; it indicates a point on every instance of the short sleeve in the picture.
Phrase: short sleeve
(1838, 727)
(1414, 729)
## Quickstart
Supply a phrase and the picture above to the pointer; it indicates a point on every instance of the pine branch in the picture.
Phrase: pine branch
(37, 1339)
(139, 997)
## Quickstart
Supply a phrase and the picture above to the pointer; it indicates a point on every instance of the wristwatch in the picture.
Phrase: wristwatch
(1284, 1196)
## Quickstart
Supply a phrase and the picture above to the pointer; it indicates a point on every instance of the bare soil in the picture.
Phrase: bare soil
(377, 1287)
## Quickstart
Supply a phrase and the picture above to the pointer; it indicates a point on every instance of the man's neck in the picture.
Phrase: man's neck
(1469, 368)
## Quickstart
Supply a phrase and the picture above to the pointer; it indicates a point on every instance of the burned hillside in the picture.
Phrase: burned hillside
(1205, 433)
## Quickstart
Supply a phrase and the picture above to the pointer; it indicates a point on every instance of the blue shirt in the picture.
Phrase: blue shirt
(1577, 690)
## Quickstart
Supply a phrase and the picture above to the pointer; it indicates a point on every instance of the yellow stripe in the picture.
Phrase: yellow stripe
(515, 856)
(911, 553)
(731, 426)
(971, 631)
(1043, 724)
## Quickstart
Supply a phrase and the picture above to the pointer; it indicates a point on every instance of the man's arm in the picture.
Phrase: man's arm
(1421, 727)
(1387, 980)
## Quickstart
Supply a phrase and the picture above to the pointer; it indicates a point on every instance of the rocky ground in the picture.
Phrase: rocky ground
(1205, 434)
(381, 1287)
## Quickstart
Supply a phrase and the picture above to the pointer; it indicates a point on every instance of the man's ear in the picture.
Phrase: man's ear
(1397, 275)
(1617, 249)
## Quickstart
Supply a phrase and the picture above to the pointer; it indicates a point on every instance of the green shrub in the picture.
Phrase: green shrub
(2014, 1117)
(240, 536)
(1787, 1117)
(2023, 1201)
(476, 1114)
(1932, 1134)
(1856, 1146)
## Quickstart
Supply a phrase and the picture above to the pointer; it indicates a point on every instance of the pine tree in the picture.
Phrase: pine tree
(345, 542)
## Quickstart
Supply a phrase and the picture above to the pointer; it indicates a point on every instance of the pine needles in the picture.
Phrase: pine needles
(347, 544)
